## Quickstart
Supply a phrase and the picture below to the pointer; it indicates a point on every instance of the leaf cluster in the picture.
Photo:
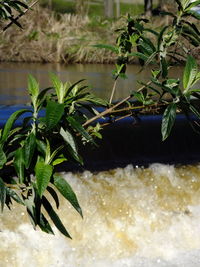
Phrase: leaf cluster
(46, 137)
(161, 50)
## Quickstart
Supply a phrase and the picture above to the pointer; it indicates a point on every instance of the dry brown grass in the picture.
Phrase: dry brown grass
(47, 39)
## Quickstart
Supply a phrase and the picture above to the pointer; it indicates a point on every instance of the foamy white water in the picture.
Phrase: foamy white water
(132, 218)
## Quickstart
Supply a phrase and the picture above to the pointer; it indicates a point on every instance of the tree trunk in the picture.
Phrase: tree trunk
(117, 8)
(148, 5)
(109, 8)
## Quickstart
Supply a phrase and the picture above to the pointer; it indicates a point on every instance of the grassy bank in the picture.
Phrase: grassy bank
(93, 8)
(49, 37)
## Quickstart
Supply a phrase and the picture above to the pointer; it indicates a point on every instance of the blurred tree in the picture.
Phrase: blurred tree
(109, 8)
(148, 5)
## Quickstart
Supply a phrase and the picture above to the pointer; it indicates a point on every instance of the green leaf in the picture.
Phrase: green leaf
(20, 3)
(42, 95)
(80, 129)
(65, 189)
(44, 225)
(95, 100)
(59, 88)
(33, 86)
(10, 122)
(190, 72)
(54, 112)
(195, 111)
(3, 158)
(164, 67)
(139, 55)
(108, 47)
(194, 14)
(72, 148)
(19, 164)
(168, 120)
(67, 136)
(53, 193)
(15, 196)
(59, 161)
(180, 7)
(43, 174)
(41, 146)
(54, 217)
(193, 4)
(29, 149)
(2, 194)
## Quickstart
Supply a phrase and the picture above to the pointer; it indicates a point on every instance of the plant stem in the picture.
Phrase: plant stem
(113, 91)
(110, 110)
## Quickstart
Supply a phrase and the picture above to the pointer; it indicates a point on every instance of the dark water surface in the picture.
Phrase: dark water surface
(13, 79)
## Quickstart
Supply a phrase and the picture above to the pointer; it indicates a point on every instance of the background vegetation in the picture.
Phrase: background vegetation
(57, 34)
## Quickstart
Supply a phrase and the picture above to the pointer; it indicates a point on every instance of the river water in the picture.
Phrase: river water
(133, 217)
(13, 79)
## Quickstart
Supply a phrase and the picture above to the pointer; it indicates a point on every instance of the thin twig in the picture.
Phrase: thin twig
(109, 110)
(113, 91)
(19, 16)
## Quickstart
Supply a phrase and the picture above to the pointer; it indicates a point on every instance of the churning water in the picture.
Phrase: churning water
(133, 217)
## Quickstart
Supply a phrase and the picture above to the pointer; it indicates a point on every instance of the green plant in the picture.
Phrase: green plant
(46, 137)
(162, 50)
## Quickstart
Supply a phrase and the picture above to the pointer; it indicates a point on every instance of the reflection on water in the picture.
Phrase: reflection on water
(132, 218)
(13, 79)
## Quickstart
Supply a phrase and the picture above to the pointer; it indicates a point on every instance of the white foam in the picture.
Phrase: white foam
(132, 217)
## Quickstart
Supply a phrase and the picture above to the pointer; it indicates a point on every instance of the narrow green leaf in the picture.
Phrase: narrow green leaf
(194, 14)
(54, 217)
(29, 149)
(80, 129)
(164, 68)
(195, 111)
(15, 196)
(33, 86)
(53, 193)
(41, 146)
(180, 7)
(108, 47)
(42, 95)
(65, 189)
(67, 136)
(19, 164)
(168, 120)
(54, 112)
(43, 174)
(95, 100)
(190, 72)
(193, 4)
(59, 88)
(20, 3)
(10, 122)
(2, 194)
(72, 87)
(3, 158)
(139, 55)
(44, 225)
(72, 148)
(59, 161)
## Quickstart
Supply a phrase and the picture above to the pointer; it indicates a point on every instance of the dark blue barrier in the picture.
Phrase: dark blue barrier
(137, 142)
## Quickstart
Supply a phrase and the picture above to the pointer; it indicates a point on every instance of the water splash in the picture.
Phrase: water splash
(132, 217)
